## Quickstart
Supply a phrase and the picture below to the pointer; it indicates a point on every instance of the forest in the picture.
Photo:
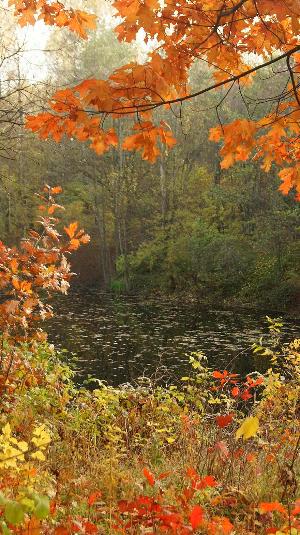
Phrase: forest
(181, 224)
(149, 267)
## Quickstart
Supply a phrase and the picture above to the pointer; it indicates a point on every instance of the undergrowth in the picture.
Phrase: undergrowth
(217, 455)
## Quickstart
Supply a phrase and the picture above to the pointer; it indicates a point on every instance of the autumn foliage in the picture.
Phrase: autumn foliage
(29, 275)
(53, 13)
(218, 454)
(180, 459)
(149, 459)
(236, 38)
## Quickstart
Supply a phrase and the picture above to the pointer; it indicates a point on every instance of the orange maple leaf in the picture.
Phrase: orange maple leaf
(269, 507)
(71, 229)
(149, 476)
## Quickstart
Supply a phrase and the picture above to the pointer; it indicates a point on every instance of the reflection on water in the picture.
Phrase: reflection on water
(120, 339)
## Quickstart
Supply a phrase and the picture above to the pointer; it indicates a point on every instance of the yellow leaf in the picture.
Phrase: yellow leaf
(6, 430)
(248, 428)
(38, 455)
(23, 446)
(41, 437)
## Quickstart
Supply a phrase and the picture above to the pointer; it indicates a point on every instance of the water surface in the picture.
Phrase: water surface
(120, 339)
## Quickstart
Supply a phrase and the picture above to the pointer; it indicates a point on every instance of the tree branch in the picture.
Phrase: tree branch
(288, 61)
(232, 10)
(154, 105)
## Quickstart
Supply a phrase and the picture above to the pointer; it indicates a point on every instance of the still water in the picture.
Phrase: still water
(121, 339)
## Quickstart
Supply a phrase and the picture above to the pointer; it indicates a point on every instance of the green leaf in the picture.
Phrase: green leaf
(14, 513)
(4, 529)
(3, 500)
(27, 503)
(42, 508)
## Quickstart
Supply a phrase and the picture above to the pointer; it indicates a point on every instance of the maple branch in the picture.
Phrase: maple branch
(154, 105)
(232, 10)
(244, 99)
(231, 78)
(220, 104)
(139, 108)
(196, 25)
(288, 61)
(216, 25)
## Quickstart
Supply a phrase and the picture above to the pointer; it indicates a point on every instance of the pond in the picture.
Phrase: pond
(118, 339)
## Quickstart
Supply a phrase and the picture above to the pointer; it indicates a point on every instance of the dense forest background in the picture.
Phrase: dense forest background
(180, 225)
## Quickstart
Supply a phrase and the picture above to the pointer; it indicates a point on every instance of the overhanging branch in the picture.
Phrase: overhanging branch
(154, 105)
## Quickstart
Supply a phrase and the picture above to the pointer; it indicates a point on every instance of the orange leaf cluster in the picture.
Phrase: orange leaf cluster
(36, 270)
(274, 140)
(222, 34)
(146, 139)
(53, 13)
(184, 517)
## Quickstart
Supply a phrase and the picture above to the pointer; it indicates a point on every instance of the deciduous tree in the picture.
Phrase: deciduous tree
(237, 38)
